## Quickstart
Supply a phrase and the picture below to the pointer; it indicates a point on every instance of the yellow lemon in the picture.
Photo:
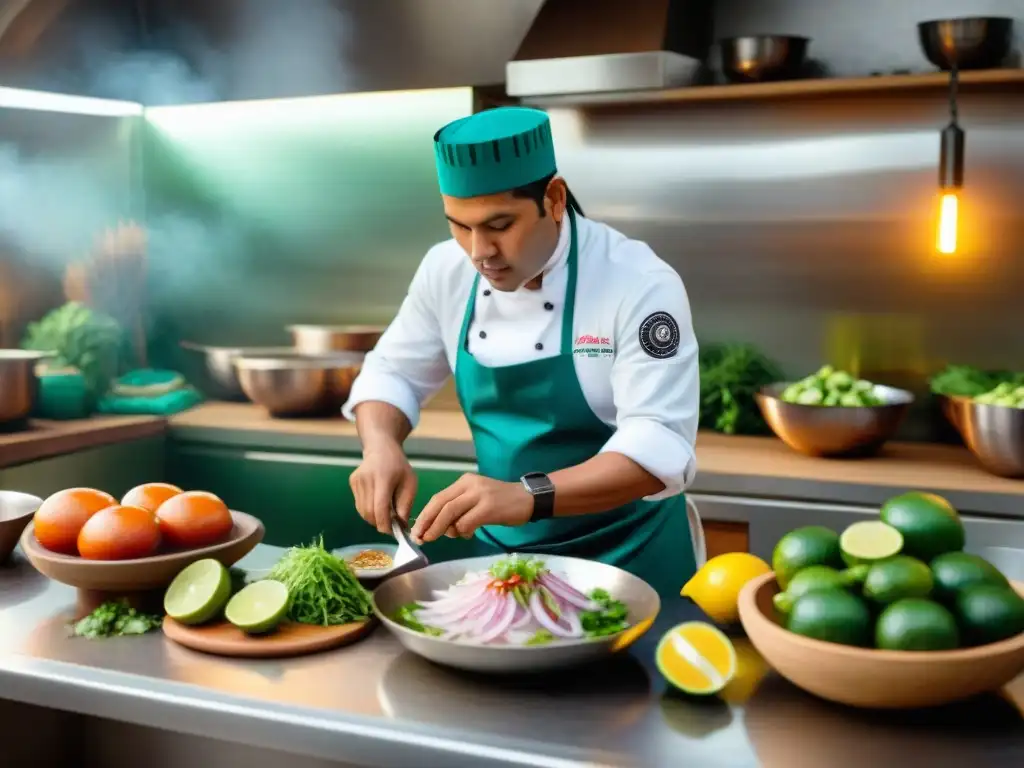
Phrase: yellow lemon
(715, 588)
(696, 657)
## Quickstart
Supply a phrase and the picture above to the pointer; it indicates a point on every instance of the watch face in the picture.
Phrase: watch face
(537, 483)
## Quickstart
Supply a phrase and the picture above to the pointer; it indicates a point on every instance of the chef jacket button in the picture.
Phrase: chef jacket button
(483, 334)
(487, 291)
(538, 346)
(548, 306)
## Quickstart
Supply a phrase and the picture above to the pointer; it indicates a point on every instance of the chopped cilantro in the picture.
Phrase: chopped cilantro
(608, 619)
(115, 619)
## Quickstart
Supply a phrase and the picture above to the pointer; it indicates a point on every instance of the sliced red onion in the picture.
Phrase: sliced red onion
(501, 626)
(459, 610)
(567, 593)
(540, 613)
(522, 618)
(572, 618)
(471, 624)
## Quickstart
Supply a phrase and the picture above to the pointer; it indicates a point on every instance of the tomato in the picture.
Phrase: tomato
(194, 519)
(119, 533)
(60, 518)
(150, 495)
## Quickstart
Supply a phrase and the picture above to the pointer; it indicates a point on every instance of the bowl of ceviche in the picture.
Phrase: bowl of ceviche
(517, 613)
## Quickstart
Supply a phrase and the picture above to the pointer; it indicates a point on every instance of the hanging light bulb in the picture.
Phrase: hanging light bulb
(951, 174)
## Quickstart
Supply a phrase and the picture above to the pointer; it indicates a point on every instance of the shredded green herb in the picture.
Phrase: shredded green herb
(527, 569)
(967, 381)
(115, 619)
(610, 618)
(323, 590)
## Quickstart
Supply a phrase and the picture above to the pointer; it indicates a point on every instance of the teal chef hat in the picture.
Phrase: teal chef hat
(494, 151)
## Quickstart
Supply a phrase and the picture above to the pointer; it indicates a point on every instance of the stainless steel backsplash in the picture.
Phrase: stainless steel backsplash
(808, 228)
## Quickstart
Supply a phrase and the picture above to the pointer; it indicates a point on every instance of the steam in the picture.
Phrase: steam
(55, 202)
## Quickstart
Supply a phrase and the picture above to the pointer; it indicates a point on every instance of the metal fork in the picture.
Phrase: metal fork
(409, 557)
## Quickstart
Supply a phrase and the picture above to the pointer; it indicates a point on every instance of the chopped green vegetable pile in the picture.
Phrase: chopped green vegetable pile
(730, 376)
(1005, 394)
(323, 589)
(832, 388)
(609, 619)
(115, 619)
(967, 381)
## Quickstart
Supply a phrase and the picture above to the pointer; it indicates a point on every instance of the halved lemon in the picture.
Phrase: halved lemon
(697, 658)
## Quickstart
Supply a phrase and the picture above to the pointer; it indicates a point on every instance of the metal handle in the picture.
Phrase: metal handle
(398, 528)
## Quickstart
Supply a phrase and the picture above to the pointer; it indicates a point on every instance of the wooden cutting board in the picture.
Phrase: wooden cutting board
(289, 639)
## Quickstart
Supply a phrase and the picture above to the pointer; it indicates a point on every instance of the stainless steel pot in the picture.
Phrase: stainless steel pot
(299, 385)
(324, 339)
(19, 385)
(220, 379)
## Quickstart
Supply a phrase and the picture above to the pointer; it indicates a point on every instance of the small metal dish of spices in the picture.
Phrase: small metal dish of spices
(369, 561)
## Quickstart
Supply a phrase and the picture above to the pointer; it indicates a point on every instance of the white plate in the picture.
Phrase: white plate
(367, 573)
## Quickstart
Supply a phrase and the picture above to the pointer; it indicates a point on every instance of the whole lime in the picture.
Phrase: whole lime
(915, 624)
(804, 547)
(955, 571)
(897, 578)
(834, 616)
(930, 525)
(988, 613)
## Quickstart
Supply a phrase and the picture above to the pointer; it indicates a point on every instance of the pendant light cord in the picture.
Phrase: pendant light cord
(954, 82)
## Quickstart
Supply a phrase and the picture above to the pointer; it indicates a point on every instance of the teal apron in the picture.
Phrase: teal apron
(534, 417)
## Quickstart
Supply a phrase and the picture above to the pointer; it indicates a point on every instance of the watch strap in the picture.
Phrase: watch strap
(542, 489)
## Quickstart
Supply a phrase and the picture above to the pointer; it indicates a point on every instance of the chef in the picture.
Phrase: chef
(575, 365)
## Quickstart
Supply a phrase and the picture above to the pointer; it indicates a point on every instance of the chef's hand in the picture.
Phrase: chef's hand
(468, 503)
(385, 474)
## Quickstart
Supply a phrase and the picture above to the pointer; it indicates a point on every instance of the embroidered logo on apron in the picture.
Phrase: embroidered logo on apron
(659, 335)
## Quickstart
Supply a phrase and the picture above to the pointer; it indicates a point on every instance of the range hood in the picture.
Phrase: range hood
(600, 46)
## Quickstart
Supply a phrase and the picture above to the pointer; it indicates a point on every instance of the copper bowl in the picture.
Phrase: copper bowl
(294, 385)
(952, 407)
(324, 339)
(865, 677)
(834, 431)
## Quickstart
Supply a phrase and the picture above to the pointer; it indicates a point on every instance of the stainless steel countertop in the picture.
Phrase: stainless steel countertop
(373, 704)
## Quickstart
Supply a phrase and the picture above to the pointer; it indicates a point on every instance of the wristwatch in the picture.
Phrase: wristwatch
(542, 489)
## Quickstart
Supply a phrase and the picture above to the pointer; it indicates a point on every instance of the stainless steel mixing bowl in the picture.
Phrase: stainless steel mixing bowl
(19, 385)
(220, 378)
(834, 431)
(995, 435)
(324, 339)
(16, 510)
(299, 385)
(640, 598)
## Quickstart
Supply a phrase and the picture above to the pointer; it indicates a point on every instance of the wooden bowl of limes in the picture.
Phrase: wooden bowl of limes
(872, 678)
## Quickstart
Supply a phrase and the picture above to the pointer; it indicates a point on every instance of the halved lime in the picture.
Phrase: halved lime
(868, 541)
(198, 593)
(259, 607)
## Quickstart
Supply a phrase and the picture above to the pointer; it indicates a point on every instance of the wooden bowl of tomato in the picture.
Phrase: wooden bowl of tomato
(85, 538)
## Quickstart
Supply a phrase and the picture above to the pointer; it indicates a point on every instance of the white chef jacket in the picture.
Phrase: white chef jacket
(651, 402)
